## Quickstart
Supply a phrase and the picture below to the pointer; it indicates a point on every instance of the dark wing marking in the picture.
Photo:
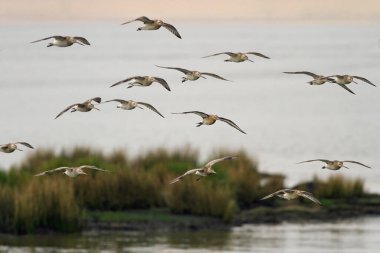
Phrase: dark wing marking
(364, 80)
(143, 19)
(172, 29)
(214, 75)
(346, 88)
(304, 72)
(258, 54)
(189, 172)
(231, 123)
(273, 194)
(25, 144)
(96, 99)
(309, 196)
(127, 80)
(228, 53)
(51, 171)
(211, 163)
(162, 82)
(202, 114)
(149, 106)
(316, 160)
(66, 109)
(57, 37)
(116, 100)
(83, 40)
(185, 71)
(356, 163)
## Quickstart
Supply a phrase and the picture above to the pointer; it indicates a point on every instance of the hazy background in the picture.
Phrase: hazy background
(286, 120)
(195, 10)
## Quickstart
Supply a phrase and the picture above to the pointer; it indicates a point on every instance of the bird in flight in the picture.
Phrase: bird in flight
(86, 106)
(193, 75)
(64, 41)
(293, 194)
(209, 119)
(205, 171)
(154, 24)
(10, 147)
(71, 171)
(143, 81)
(130, 105)
(238, 57)
(335, 165)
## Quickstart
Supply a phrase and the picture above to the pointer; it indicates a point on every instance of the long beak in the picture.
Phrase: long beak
(140, 107)
(345, 167)
(203, 77)
(96, 108)
(19, 149)
(79, 43)
(354, 82)
(250, 60)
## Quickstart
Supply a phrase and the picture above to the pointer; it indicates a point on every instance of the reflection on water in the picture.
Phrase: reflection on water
(360, 235)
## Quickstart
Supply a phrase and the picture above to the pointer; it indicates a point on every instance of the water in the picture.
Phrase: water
(359, 235)
(287, 120)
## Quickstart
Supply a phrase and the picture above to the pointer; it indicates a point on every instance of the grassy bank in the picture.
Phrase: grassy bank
(58, 203)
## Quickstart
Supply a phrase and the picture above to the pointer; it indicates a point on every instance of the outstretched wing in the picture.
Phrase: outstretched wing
(83, 40)
(66, 109)
(126, 80)
(316, 160)
(228, 53)
(96, 99)
(258, 54)
(214, 75)
(51, 171)
(149, 106)
(231, 123)
(303, 72)
(211, 163)
(364, 80)
(346, 88)
(143, 19)
(162, 82)
(116, 100)
(92, 168)
(172, 29)
(356, 163)
(25, 144)
(189, 172)
(57, 37)
(273, 194)
(185, 71)
(310, 196)
(202, 114)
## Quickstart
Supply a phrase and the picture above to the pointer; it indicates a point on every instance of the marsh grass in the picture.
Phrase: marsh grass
(56, 202)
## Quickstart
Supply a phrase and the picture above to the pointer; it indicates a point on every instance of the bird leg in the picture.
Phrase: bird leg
(199, 124)
(184, 79)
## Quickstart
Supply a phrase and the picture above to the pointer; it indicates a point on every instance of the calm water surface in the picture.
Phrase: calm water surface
(361, 235)
(287, 120)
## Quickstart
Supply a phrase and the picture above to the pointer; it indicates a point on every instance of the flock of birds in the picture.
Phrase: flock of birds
(207, 119)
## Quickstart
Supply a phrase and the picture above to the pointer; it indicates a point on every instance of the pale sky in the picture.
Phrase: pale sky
(213, 10)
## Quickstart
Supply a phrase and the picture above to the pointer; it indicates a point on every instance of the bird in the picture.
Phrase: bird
(293, 194)
(64, 41)
(347, 79)
(143, 81)
(154, 24)
(193, 75)
(205, 171)
(209, 119)
(86, 106)
(71, 171)
(335, 164)
(320, 79)
(10, 147)
(130, 105)
(238, 57)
